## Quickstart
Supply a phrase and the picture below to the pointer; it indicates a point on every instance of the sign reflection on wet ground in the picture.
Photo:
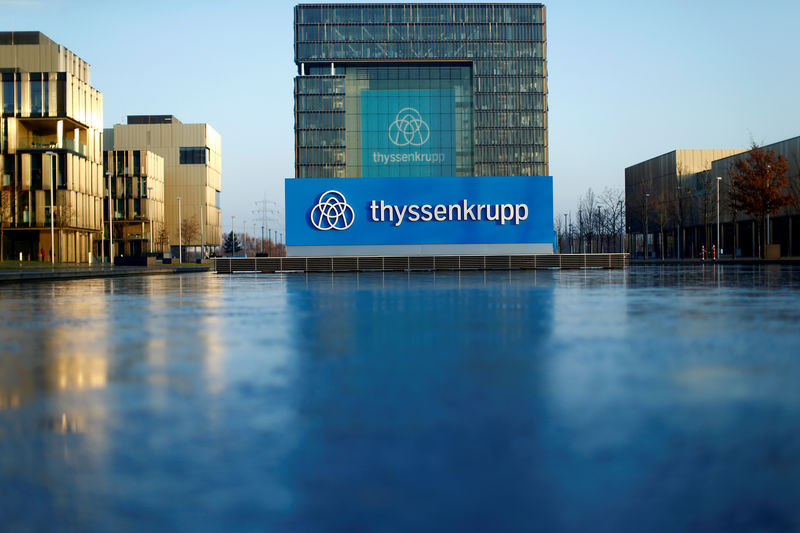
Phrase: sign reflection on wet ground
(652, 399)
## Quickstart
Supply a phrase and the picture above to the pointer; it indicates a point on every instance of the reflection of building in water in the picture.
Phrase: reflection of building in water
(60, 360)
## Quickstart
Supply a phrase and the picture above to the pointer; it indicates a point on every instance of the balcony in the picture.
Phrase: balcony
(50, 142)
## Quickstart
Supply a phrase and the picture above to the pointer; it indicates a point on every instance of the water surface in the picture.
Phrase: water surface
(652, 399)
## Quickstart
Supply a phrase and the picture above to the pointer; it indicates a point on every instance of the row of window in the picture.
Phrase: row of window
(318, 85)
(412, 13)
(510, 136)
(320, 138)
(520, 84)
(72, 210)
(510, 67)
(510, 102)
(128, 187)
(510, 154)
(194, 155)
(320, 156)
(527, 67)
(500, 119)
(481, 169)
(418, 50)
(415, 32)
(321, 171)
(482, 154)
(34, 171)
(123, 162)
(39, 94)
(316, 121)
(510, 169)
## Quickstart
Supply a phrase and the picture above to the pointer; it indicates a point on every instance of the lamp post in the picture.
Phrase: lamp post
(244, 237)
(719, 248)
(150, 210)
(110, 226)
(566, 233)
(52, 214)
(233, 237)
(180, 236)
(678, 221)
(202, 234)
(646, 198)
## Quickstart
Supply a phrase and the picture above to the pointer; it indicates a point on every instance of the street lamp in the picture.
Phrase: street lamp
(719, 248)
(52, 214)
(202, 234)
(150, 210)
(646, 198)
(566, 234)
(180, 236)
(678, 221)
(110, 226)
(233, 237)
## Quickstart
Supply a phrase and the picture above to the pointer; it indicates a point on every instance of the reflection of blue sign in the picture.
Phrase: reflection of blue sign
(468, 210)
(408, 133)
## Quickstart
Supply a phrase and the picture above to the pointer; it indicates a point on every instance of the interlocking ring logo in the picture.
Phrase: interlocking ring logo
(408, 128)
(332, 212)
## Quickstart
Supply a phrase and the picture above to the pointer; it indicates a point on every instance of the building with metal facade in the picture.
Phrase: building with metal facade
(192, 155)
(51, 124)
(675, 199)
(137, 201)
(478, 72)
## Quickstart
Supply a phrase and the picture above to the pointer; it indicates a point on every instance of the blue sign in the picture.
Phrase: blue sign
(408, 133)
(464, 210)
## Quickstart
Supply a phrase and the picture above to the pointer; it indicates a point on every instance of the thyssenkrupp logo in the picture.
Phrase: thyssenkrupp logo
(332, 212)
(408, 128)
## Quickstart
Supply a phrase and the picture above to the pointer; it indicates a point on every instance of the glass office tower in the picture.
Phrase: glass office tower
(414, 90)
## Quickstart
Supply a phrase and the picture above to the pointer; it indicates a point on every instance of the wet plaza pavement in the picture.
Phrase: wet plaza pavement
(650, 399)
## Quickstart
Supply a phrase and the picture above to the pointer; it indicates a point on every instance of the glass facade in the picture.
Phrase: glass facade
(420, 89)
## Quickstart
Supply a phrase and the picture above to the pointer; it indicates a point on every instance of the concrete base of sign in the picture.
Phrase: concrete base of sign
(419, 249)
(227, 265)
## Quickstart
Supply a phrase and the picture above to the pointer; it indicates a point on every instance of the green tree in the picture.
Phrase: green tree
(230, 243)
(759, 187)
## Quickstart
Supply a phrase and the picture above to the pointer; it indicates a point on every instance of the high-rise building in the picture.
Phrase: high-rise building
(420, 92)
(50, 142)
(478, 71)
(192, 156)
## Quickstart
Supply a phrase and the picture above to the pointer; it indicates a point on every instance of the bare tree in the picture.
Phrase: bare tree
(189, 230)
(5, 204)
(613, 204)
(64, 218)
(586, 218)
(162, 236)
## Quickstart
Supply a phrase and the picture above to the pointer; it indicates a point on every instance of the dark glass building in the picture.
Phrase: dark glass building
(396, 90)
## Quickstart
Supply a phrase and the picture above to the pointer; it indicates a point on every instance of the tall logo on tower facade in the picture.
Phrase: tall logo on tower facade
(332, 212)
(408, 128)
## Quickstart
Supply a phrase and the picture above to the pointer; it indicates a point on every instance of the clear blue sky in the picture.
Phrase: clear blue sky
(627, 80)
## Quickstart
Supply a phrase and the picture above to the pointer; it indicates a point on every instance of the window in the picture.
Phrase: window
(8, 96)
(194, 155)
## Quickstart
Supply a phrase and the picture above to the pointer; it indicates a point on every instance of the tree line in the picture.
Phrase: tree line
(596, 226)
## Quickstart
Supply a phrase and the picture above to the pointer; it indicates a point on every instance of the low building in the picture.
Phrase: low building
(192, 155)
(51, 131)
(675, 198)
(667, 198)
(137, 201)
(739, 231)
